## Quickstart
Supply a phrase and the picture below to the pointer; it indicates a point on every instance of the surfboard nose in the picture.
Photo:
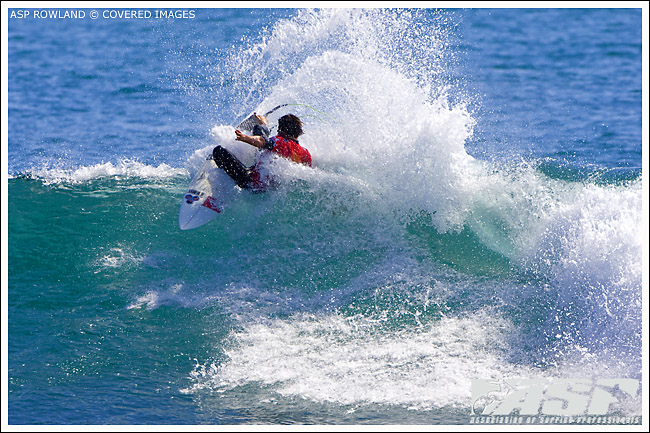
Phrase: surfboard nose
(182, 226)
(189, 225)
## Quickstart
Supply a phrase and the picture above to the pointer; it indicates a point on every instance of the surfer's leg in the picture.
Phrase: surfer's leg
(232, 166)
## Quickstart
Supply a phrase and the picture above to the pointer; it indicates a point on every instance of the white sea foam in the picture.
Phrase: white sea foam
(330, 358)
(334, 359)
(123, 169)
(119, 257)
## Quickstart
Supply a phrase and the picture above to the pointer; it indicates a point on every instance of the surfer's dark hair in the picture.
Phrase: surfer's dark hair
(290, 125)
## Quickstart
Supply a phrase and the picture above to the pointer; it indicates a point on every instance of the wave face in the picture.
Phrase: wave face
(374, 286)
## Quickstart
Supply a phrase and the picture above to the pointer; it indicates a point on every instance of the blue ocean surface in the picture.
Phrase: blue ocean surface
(474, 212)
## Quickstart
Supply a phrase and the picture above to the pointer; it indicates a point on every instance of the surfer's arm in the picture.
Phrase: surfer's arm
(254, 140)
(261, 132)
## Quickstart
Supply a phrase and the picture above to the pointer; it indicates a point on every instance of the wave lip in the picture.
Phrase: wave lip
(123, 169)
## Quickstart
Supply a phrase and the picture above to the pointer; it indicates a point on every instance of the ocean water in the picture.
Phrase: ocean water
(474, 212)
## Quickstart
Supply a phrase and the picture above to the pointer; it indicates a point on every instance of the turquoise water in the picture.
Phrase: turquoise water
(473, 212)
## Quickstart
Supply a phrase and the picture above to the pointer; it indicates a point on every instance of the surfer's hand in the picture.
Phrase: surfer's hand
(240, 135)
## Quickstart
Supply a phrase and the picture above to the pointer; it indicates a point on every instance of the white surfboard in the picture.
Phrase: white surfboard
(205, 198)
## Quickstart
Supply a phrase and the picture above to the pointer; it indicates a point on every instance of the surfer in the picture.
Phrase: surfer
(285, 144)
